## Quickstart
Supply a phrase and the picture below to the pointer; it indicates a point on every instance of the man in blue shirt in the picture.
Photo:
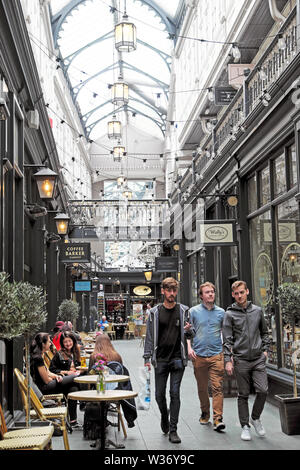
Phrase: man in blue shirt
(206, 352)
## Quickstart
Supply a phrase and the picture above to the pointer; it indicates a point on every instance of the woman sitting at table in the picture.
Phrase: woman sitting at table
(67, 358)
(49, 382)
(105, 347)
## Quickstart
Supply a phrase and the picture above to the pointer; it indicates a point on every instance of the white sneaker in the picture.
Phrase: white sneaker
(246, 436)
(260, 431)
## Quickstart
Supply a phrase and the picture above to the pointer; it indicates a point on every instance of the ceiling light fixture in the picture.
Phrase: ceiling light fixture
(125, 34)
(120, 92)
(114, 128)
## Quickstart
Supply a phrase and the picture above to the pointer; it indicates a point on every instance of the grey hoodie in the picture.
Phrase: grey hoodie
(245, 333)
(151, 340)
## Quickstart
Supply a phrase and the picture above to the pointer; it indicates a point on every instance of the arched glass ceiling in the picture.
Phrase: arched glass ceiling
(83, 31)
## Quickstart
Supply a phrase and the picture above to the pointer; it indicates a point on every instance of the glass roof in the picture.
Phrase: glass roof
(83, 32)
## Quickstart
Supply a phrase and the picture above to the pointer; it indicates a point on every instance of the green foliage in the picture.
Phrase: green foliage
(288, 297)
(68, 310)
(22, 308)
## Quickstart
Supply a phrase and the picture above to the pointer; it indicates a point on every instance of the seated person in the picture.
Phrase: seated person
(104, 346)
(103, 323)
(57, 332)
(49, 382)
(67, 358)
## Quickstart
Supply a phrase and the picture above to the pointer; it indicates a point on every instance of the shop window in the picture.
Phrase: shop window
(252, 194)
(263, 273)
(265, 187)
(279, 176)
(292, 165)
(288, 250)
(194, 279)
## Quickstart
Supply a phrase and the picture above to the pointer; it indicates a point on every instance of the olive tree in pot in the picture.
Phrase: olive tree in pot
(68, 311)
(288, 297)
(22, 312)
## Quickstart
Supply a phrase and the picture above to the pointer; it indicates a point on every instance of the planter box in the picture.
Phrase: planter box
(289, 409)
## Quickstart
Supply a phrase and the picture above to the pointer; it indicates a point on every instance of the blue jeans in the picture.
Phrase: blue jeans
(176, 369)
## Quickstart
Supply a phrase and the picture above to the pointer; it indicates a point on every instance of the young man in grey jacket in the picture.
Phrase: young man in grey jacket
(165, 345)
(246, 341)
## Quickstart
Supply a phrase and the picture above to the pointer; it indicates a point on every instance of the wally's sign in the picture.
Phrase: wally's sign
(75, 253)
(216, 232)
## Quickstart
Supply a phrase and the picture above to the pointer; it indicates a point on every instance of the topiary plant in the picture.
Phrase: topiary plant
(288, 297)
(22, 312)
(68, 310)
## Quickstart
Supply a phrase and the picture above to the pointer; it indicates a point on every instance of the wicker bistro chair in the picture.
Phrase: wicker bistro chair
(130, 331)
(9, 439)
(143, 334)
(111, 331)
(56, 414)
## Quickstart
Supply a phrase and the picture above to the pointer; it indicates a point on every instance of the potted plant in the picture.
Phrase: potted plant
(288, 297)
(68, 311)
(22, 312)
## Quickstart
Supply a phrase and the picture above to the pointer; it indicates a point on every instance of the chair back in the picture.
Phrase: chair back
(143, 329)
(131, 326)
(110, 328)
(3, 428)
(36, 404)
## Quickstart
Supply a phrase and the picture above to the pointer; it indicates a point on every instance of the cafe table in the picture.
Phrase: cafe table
(92, 378)
(102, 397)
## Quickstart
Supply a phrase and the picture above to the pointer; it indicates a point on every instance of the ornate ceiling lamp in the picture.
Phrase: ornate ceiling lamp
(114, 129)
(120, 92)
(125, 34)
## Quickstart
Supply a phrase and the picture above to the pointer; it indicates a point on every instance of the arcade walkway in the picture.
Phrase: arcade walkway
(146, 435)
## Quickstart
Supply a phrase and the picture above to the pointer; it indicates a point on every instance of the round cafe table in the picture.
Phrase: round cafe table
(102, 397)
(92, 378)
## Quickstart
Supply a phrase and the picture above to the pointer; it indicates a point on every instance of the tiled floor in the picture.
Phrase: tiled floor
(147, 435)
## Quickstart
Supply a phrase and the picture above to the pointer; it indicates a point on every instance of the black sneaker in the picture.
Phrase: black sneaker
(164, 424)
(219, 425)
(204, 418)
(174, 438)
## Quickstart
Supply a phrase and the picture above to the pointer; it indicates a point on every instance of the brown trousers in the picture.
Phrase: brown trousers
(210, 368)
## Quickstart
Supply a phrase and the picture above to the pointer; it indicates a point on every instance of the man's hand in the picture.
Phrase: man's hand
(148, 365)
(187, 326)
(191, 353)
(229, 368)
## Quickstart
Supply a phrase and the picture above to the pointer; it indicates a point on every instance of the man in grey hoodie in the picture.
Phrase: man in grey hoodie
(246, 341)
(166, 346)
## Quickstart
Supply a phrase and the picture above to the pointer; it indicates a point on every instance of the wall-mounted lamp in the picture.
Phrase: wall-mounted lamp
(62, 223)
(148, 274)
(46, 181)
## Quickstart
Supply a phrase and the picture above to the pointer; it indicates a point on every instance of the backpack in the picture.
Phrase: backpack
(92, 421)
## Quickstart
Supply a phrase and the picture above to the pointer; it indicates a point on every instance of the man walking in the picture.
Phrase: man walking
(206, 352)
(246, 341)
(165, 344)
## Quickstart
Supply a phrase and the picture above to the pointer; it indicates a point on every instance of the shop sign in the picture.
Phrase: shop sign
(286, 231)
(216, 232)
(75, 253)
(224, 95)
(166, 264)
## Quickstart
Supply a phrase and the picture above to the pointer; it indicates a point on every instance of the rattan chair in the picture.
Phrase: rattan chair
(130, 331)
(143, 334)
(57, 415)
(35, 438)
(111, 331)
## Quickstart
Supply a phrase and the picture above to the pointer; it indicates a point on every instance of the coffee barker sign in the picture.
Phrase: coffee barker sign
(76, 252)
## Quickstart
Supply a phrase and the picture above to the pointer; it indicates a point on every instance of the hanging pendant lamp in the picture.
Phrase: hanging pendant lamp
(114, 129)
(118, 152)
(120, 92)
(125, 35)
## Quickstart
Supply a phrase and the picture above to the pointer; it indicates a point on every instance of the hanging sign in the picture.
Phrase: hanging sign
(75, 253)
(216, 232)
(224, 95)
(166, 264)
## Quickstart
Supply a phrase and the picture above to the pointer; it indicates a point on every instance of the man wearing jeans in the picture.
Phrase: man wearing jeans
(207, 354)
(165, 344)
(246, 341)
